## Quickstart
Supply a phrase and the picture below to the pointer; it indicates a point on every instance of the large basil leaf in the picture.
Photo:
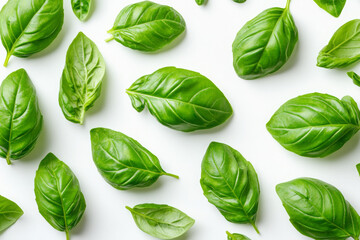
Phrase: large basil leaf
(20, 116)
(81, 8)
(315, 124)
(10, 212)
(29, 26)
(81, 80)
(355, 77)
(180, 99)
(161, 221)
(265, 43)
(236, 236)
(58, 194)
(230, 183)
(343, 48)
(147, 26)
(319, 210)
(333, 7)
(122, 161)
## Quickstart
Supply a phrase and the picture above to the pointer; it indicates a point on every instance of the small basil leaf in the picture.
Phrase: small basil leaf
(180, 99)
(81, 80)
(122, 161)
(161, 221)
(236, 236)
(315, 124)
(358, 168)
(20, 116)
(200, 2)
(265, 43)
(147, 26)
(58, 194)
(81, 8)
(355, 78)
(239, 1)
(333, 7)
(318, 210)
(10, 212)
(230, 183)
(342, 49)
(29, 26)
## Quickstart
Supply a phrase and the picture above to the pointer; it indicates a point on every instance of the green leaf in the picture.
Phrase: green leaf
(355, 78)
(319, 210)
(315, 124)
(29, 26)
(122, 161)
(236, 236)
(147, 26)
(230, 183)
(20, 116)
(81, 8)
(10, 212)
(200, 2)
(161, 221)
(334, 7)
(239, 1)
(82, 78)
(180, 99)
(265, 43)
(58, 194)
(358, 168)
(343, 48)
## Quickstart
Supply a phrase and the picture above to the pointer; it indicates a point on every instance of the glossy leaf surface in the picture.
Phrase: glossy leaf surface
(200, 2)
(58, 194)
(81, 8)
(20, 116)
(180, 99)
(147, 26)
(319, 210)
(230, 183)
(10, 212)
(122, 161)
(161, 221)
(355, 77)
(315, 124)
(236, 236)
(265, 43)
(334, 7)
(29, 26)
(82, 78)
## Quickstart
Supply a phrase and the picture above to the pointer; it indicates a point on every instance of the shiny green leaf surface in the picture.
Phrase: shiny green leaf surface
(265, 43)
(315, 124)
(355, 77)
(161, 221)
(58, 194)
(334, 7)
(230, 183)
(319, 210)
(20, 116)
(343, 48)
(10, 212)
(147, 26)
(236, 236)
(29, 26)
(81, 8)
(200, 2)
(82, 78)
(123, 162)
(180, 99)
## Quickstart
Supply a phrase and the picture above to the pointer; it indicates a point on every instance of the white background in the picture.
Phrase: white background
(206, 48)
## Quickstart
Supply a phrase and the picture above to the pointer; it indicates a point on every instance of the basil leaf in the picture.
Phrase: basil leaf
(180, 99)
(161, 221)
(81, 80)
(81, 8)
(147, 26)
(333, 7)
(358, 168)
(122, 161)
(342, 49)
(200, 2)
(20, 116)
(10, 212)
(355, 78)
(230, 183)
(236, 236)
(239, 1)
(58, 194)
(318, 210)
(265, 43)
(29, 26)
(315, 124)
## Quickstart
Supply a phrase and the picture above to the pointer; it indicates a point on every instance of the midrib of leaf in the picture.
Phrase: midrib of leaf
(316, 126)
(342, 43)
(137, 25)
(148, 217)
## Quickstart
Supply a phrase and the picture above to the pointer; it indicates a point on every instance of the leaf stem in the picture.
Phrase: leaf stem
(287, 4)
(255, 227)
(8, 158)
(129, 208)
(67, 234)
(228, 233)
(8, 55)
(110, 39)
(171, 175)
